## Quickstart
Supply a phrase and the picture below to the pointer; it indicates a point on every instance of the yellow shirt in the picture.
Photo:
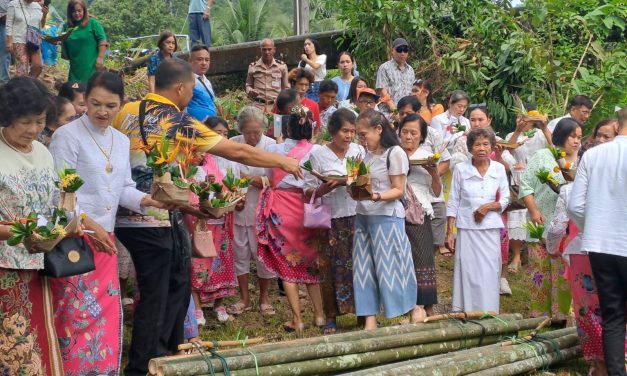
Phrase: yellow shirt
(162, 115)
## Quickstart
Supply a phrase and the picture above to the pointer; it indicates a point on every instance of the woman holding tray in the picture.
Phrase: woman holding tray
(213, 279)
(336, 244)
(425, 183)
(286, 247)
(383, 269)
(87, 307)
(479, 194)
(550, 293)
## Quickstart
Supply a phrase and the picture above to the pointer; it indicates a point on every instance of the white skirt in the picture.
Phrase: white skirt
(515, 221)
(477, 270)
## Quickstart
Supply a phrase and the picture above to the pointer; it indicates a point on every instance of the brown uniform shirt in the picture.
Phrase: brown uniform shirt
(268, 81)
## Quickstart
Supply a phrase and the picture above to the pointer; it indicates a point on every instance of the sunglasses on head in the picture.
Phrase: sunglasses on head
(402, 49)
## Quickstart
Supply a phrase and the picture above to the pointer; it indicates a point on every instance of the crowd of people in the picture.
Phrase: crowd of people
(472, 199)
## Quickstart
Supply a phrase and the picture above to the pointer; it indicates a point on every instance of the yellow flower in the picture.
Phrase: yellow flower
(83, 216)
(563, 154)
(533, 113)
(67, 181)
(436, 156)
(59, 231)
(556, 169)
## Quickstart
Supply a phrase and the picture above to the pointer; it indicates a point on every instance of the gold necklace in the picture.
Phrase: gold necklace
(108, 166)
(13, 147)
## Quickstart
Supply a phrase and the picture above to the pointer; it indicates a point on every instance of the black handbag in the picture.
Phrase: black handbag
(72, 256)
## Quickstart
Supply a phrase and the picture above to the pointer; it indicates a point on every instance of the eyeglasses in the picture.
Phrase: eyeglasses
(367, 102)
(402, 49)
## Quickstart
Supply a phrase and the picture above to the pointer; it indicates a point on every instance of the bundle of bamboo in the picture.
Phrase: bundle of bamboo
(349, 351)
(518, 357)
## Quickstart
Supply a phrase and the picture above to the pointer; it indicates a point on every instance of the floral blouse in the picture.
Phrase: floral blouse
(544, 196)
(26, 185)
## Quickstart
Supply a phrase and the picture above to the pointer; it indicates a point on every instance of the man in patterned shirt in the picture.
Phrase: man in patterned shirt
(396, 76)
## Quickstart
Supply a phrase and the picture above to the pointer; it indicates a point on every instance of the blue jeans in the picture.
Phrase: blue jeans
(5, 57)
(199, 29)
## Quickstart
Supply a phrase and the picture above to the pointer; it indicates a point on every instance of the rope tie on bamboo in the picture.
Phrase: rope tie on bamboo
(483, 330)
(556, 346)
(202, 353)
(459, 324)
(243, 343)
(225, 365)
(487, 314)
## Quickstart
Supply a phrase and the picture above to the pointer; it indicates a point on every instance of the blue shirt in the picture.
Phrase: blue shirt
(202, 104)
(197, 6)
(343, 88)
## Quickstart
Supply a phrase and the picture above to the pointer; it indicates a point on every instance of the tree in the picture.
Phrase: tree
(547, 53)
(131, 18)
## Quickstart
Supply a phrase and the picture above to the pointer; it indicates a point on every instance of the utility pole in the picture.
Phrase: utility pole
(301, 17)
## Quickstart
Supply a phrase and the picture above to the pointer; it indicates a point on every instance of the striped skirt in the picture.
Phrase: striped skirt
(383, 268)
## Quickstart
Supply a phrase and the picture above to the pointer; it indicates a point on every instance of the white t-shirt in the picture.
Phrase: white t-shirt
(321, 72)
(380, 179)
(420, 181)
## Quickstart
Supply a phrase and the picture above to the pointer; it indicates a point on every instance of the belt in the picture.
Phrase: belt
(260, 100)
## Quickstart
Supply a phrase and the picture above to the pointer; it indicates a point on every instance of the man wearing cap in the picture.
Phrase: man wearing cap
(266, 77)
(396, 76)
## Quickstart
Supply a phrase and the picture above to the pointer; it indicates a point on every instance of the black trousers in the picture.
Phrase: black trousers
(163, 277)
(610, 275)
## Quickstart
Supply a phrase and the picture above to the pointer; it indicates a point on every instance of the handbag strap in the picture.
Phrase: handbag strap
(206, 88)
(25, 18)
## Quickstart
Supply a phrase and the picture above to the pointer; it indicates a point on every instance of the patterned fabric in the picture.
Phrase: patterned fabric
(88, 319)
(26, 185)
(587, 309)
(214, 278)
(543, 195)
(421, 240)
(383, 269)
(550, 292)
(28, 344)
(336, 267)
(153, 63)
(504, 245)
(397, 81)
(22, 59)
(191, 325)
(312, 91)
(285, 247)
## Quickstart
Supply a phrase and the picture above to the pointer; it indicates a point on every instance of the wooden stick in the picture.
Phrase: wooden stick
(544, 323)
(209, 344)
(460, 315)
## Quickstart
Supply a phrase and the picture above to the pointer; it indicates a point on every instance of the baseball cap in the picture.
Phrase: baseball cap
(398, 42)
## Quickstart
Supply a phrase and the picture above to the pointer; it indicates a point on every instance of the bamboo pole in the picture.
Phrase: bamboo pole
(449, 358)
(499, 357)
(210, 344)
(460, 315)
(333, 338)
(532, 363)
(456, 332)
(530, 336)
(331, 365)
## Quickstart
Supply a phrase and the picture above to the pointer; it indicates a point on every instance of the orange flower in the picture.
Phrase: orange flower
(568, 165)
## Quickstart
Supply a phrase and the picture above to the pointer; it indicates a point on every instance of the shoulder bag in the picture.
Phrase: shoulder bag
(33, 34)
(317, 215)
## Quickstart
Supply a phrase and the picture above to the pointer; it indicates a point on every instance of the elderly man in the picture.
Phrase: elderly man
(598, 205)
(266, 77)
(157, 243)
(202, 104)
(395, 76)
(579, 108)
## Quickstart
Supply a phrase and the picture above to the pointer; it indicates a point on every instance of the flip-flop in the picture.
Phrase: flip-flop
(288, 326)
(329, 328)
(513, 267)
(266, 310)
(238, 308)
(445, 252)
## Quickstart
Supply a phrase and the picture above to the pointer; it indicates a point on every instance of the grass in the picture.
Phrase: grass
(253, 324)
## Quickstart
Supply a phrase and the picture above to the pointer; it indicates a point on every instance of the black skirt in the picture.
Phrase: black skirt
(421, 240)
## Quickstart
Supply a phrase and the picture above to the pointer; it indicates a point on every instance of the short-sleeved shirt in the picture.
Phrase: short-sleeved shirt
(398, 81)
(197, 6)
(321, 72)
(81, 48)
(380, 179)
(21, 14)
(343, 88)
(153, 63)
(268, 81)
(161, 115)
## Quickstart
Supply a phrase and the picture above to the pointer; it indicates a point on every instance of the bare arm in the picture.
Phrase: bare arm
(252, 156)
(151, 84)
(102, 49)
(5, 233)
(443, 167)
(398, 188)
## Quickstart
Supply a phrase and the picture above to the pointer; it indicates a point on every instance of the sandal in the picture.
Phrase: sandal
(445, 252)
(513, 267)
(289, 327)
(238, 308)
(330, 328)
(222, 315)
(266, 310)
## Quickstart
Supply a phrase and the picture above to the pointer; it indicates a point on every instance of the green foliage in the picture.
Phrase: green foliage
(132, 18)
(492, 52)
